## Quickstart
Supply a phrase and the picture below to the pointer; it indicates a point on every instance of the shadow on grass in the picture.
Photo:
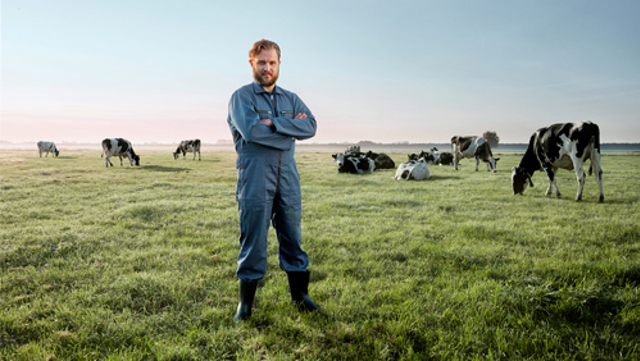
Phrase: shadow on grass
(159, 168)
(66, 157)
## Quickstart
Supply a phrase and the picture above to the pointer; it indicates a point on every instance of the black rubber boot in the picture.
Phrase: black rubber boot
(247, 293)
(299, 284)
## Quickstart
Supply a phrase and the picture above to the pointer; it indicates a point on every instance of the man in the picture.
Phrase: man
(265, 121)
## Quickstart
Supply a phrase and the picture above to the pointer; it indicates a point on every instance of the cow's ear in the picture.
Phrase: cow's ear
(334, 156)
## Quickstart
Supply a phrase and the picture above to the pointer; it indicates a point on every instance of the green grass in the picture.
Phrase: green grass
(139, 263)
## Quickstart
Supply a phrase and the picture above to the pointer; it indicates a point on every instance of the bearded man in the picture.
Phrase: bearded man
(265, 121)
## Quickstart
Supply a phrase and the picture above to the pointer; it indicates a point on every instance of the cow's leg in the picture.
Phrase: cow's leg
(578, 165)
(552, 181)
(456, 159)
(120, 160)
(595, 163)
(489, 168)
(194, 156)
(108, 162)
(477, 163)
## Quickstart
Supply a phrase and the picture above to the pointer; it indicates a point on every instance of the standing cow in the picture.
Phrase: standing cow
(468, 147)
(564, 146)
(121, 148)
(47, 147)
(187, 146)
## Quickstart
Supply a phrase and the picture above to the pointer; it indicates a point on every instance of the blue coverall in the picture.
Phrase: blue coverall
(268, 186)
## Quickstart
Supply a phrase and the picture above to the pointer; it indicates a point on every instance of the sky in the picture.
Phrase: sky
(383, 71)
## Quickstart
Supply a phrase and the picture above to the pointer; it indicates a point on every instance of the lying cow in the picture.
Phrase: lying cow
(564, 146)
(444, 158)
(429, 156)
(468, 147)
(382, 160)
(413, 170)
(354, 164)
(47, 147)
(187, 146)
(121, 148)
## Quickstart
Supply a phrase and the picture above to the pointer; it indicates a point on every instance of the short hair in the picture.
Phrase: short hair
(261, 45)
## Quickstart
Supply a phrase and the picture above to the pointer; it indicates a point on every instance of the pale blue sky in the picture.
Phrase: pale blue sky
(386, 71)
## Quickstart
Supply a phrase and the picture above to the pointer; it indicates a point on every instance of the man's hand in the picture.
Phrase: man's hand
(270, 123)
(267, 122)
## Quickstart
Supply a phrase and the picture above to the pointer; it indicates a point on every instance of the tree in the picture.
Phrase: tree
(492, 137)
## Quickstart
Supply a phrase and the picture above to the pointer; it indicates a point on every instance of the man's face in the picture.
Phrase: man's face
(266, 67)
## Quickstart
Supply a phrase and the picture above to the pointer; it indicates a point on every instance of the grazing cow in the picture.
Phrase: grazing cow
(47, 147)
(121, 148)
(187, 146)
(564, 146)
(478, 147)
(413, 170)
(382, 160)
(354, 164)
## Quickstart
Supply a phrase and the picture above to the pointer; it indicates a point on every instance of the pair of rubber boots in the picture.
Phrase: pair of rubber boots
(299, 284)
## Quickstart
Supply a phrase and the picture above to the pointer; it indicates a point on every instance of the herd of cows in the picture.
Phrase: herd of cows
(565, 145)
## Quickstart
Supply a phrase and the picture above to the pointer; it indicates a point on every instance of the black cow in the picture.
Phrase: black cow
(382, 160)
(187, 146)
(564, 146)
(121, 148)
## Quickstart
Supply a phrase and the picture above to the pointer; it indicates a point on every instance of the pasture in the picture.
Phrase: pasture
(138, 263)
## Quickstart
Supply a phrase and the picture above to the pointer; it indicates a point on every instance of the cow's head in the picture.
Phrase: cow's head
(493, 162)
(56, 152)
(339, 159)
(176, 154)
(520, 179)
(136, 159)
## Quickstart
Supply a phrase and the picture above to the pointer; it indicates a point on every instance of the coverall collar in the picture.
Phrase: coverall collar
(258, 89)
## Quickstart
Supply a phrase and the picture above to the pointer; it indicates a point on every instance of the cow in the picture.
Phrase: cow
(478, 147)
(429, 156)
(413, 170)
(121, 148)
(444, 158)
(565, 146)
(354, 164)
(47, 147)
(187, 146)
(382, 160)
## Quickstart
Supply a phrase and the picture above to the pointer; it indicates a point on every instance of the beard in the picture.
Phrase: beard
(262, 81)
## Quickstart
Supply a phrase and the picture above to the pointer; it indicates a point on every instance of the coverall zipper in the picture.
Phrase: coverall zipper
(273, 107)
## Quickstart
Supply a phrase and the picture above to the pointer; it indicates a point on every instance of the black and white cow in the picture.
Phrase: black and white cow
(187, 146)
(121, 148)
(382, 160)
(564, 146)
(468, 147)
(354, 164)
(47, 147)
(429, 156)
(413, 170)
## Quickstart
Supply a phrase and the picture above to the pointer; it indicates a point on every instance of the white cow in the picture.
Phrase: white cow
(413, 170)
(47, 147)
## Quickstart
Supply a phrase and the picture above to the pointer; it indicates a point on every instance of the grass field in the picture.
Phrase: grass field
(139, 264)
